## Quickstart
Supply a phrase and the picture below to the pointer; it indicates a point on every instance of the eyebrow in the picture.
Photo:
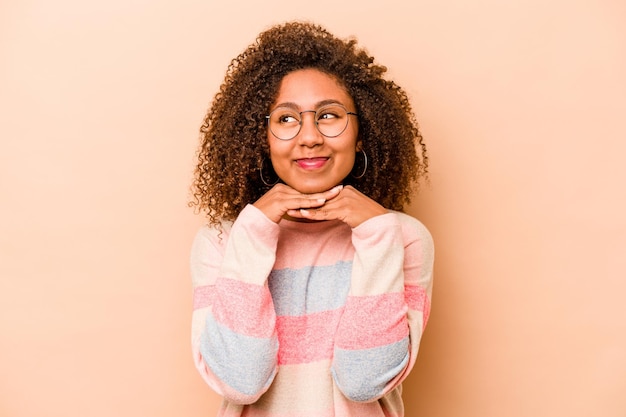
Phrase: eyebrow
(317, 105)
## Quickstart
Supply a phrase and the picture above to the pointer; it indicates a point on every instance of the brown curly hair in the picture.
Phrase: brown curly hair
(234, 132)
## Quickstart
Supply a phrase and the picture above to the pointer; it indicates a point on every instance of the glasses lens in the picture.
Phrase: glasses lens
(285, 123)
(331, 120)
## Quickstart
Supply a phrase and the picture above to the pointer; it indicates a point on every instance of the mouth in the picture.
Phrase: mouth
(312, 163)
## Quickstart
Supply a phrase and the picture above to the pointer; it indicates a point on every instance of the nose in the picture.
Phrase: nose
(309, 135)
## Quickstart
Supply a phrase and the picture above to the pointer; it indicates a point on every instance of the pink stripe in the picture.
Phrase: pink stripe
(426, 312)
(304, 339)
(373, 321)
(230, 410)
(417, 299)
(371, 409)
(203, 296)
(244, 308)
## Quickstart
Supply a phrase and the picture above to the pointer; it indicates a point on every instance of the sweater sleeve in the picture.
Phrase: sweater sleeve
(234, 340)
(387, 307)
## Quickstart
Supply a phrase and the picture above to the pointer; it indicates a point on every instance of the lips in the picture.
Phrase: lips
(311, 163)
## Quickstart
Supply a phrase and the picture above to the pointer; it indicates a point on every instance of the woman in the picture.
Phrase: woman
(311, 287)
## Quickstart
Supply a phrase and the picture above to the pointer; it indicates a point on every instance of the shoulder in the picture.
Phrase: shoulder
(210, 238)
(250, 219)
(213, 233)
(207, 249)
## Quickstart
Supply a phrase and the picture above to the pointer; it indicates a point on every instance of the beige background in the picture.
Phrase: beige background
(521, 102)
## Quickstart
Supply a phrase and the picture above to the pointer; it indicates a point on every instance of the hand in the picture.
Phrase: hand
(350, 206)
(282, 198)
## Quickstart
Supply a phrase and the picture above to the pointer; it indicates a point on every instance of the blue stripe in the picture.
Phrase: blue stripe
(297, 292)
(362, 375)
(247, 364)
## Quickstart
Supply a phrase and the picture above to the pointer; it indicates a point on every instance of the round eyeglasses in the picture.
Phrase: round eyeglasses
(331, 120)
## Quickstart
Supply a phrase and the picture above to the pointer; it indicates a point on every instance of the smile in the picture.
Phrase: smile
(312, 163)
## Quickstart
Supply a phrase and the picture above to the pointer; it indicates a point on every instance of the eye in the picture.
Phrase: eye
(285, 117)
(330, 114)
(327, 115)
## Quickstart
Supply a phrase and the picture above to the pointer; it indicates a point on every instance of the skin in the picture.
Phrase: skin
(312, 166)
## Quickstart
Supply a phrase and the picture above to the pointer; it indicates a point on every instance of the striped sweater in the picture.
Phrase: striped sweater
(310, 319)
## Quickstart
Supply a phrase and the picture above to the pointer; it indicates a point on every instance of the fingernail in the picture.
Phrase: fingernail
(321, 200)
(304, 212)
(338, 188)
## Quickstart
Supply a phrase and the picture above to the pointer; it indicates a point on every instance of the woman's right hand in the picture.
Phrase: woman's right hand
(281, 198)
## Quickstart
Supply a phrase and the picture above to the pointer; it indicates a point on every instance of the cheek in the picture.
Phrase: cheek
(279, 152)
(271, 144)
(350, 159)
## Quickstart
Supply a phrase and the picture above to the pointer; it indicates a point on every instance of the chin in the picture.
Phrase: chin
(313, 188)
(310, 190)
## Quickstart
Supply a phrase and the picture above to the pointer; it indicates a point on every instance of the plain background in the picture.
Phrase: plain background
(522, 105)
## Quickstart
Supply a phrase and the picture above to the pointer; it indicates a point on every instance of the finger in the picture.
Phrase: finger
(310, 214)
(324, 196)
(311, 200)
(296, 213)
(303, 202)
(351, 207)
(333, 192)
(317, 214)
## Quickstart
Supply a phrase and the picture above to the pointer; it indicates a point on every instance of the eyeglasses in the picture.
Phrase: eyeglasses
(331, 120)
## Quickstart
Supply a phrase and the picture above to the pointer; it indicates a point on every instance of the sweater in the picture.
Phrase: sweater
(314, 319)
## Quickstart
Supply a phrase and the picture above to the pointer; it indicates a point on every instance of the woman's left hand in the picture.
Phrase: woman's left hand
(350, 206)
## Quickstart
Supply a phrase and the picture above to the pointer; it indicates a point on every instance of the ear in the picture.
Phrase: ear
(359, 146)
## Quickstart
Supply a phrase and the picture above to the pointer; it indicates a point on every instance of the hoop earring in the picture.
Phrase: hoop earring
(362, 174)
(261, 169)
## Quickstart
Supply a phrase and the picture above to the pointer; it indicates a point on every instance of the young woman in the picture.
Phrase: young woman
(311, 287)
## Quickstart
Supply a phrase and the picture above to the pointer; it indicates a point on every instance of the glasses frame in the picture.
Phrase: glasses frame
(267, 117)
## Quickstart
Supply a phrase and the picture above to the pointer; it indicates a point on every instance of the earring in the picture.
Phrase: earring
(362, 174)
(261, 174)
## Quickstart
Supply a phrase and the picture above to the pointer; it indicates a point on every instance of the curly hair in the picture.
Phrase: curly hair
(234, 132)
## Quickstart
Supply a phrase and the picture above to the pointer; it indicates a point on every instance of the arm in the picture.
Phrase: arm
(386, 311)
(233, 324)
(234, 338)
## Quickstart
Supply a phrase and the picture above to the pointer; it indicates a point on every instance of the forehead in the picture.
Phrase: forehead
(308, 88)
